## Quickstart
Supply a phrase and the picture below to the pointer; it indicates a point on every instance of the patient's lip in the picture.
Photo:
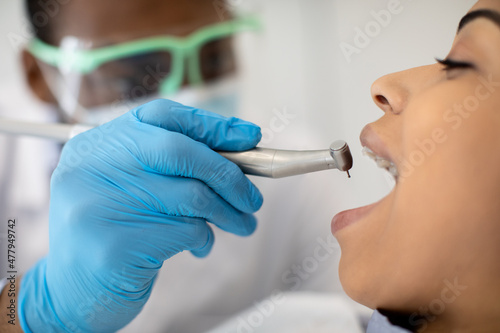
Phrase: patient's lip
(369, 138)
(348, 217)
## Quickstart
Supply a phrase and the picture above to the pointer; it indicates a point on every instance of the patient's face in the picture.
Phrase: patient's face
(442, 219)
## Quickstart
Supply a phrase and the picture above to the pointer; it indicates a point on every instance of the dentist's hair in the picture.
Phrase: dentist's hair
(41, 15)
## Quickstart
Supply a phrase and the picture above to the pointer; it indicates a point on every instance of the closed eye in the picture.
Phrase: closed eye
(449, 64)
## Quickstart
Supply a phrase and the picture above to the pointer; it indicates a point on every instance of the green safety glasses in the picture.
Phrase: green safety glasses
(147, 66)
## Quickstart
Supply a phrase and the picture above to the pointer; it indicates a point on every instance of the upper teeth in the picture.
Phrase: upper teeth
(381, 162)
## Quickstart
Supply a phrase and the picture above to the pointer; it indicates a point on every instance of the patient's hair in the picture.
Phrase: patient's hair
(41, 14)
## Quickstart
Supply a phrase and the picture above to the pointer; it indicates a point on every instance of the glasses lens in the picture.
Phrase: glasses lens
(131, 78)
(217, 59)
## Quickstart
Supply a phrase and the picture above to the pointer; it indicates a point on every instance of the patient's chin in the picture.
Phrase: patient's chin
(355, 287)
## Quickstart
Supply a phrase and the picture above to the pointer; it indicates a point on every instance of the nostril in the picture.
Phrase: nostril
(382, 100)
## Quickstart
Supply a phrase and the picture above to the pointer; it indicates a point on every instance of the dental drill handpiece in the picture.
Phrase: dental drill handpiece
(264, 162)
(273, 163)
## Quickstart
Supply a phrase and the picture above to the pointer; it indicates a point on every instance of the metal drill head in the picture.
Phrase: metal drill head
(341, 155)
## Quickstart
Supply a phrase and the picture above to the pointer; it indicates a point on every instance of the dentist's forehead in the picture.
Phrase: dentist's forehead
(120, 20)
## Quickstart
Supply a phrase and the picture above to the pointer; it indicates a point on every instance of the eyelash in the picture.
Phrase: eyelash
(450, 64)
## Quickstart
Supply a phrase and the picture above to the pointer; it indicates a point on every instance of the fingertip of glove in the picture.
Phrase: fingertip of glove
(207, 248)
(162, 104)
(259, 201)
(249, 133)
(251, 226)
(255, 202)
(200, 254)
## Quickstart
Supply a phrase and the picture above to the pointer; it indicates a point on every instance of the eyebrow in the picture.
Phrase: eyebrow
(491, 15)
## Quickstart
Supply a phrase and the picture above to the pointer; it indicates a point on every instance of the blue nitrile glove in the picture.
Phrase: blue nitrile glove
(125, 197)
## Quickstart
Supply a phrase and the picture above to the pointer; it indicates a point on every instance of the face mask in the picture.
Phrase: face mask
(220, 97)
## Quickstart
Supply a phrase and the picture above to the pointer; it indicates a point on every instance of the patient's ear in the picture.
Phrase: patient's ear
(34, 78)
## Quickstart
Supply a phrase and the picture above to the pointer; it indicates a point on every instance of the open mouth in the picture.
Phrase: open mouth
(382, 162)
(346, 218)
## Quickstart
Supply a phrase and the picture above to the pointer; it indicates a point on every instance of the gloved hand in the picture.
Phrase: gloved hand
(125, 197)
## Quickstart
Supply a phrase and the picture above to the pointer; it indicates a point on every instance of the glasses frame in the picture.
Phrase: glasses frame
(184, 50)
